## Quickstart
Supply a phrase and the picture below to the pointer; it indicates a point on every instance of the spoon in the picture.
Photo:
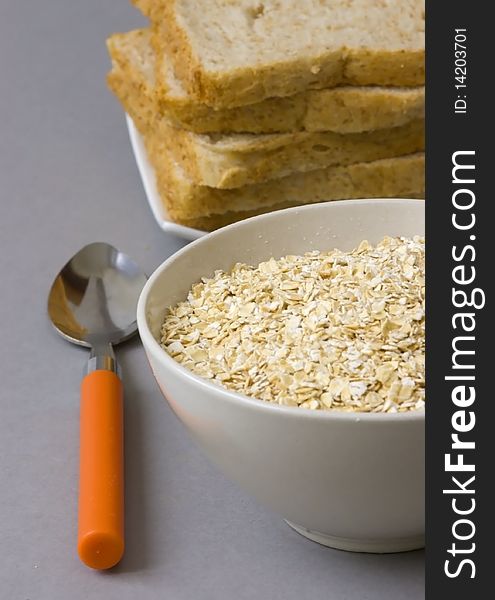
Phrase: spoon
(92, 302)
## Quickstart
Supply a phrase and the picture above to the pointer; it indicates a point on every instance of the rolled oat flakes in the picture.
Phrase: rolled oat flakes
(325, 330)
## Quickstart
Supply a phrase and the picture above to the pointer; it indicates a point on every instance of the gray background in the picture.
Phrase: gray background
(68, 178)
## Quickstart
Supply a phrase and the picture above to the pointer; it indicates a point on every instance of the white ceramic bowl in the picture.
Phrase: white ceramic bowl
(353, 481)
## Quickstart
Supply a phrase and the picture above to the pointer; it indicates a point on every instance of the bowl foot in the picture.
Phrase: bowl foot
(378, 546)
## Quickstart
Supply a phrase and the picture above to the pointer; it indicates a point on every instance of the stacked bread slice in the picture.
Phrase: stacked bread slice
(246, 107)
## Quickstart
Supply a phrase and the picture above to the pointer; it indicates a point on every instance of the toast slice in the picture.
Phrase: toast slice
(228, 162)
(342, 110)
(242, 52)
(231, 161)
(187, 202)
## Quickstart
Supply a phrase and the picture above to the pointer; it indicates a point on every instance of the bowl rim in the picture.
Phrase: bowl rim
(151, 345)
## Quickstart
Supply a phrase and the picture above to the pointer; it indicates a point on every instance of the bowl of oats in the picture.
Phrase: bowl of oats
(291, 346)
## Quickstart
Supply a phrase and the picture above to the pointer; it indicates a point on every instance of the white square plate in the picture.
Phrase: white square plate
(148, 178)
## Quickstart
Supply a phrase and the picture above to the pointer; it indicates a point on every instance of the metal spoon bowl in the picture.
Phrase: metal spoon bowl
(94, 297)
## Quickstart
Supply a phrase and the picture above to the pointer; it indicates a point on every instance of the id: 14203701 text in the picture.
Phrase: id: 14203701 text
(460, 71)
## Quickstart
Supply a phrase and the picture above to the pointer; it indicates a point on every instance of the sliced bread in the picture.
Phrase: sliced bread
(227, 162)
(242, 52)
(343, 110)
(184, 200)
(216, 221)
(231, 161)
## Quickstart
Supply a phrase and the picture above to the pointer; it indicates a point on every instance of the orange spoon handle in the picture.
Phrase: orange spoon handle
(101, 476)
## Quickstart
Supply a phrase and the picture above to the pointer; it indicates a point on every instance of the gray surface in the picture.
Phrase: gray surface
(68, 178)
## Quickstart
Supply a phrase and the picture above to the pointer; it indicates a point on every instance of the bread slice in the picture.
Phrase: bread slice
(185, 201)
(231, 161)
(233, 53)
(215, 221)
(226, 162)
(342, 110)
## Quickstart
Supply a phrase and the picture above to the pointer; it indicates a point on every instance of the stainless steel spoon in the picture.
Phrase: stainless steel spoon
(92, 302)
